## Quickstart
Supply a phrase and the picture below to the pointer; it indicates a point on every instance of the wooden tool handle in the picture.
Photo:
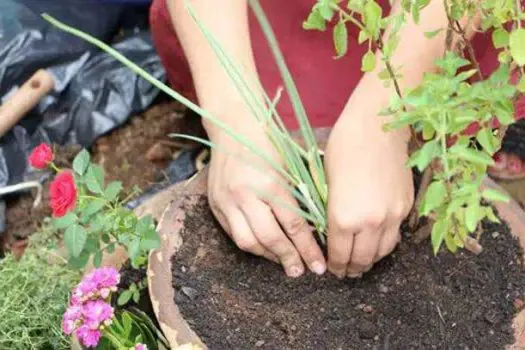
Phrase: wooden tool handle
(25, 99)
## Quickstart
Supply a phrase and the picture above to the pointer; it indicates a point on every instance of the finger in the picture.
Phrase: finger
(221, 218)
(243, 236)
(366, 245)
(265, 227)
(300, 233)
(388, 242)
(340, 247)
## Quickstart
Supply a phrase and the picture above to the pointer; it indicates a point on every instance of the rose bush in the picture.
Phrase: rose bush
(93, 215)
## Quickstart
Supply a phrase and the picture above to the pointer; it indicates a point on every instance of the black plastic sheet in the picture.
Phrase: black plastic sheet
(93, 92)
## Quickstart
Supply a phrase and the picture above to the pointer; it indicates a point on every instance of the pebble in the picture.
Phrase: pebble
(259, 343)
(383, 288)
(495, 234)
(189, 292)
(367, 330)
(368, 309)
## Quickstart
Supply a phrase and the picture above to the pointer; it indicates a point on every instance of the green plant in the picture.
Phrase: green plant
(33, 296)
(440, 109)
(100, 221)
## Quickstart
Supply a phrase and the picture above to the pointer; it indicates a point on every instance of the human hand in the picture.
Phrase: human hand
(240, 195)
(371, 192)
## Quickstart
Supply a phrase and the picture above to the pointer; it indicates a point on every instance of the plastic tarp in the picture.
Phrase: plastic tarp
(93, 92)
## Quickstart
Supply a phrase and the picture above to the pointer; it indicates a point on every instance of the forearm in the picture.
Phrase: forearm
(229, 25)
(414, 56)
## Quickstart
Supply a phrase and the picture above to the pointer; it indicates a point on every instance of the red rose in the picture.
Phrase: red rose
(63, 193)
(41, 156)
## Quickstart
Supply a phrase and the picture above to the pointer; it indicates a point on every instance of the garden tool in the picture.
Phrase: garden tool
(15, 108)
(24, 99)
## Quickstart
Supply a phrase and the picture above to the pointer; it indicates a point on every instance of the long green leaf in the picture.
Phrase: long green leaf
(306, 129)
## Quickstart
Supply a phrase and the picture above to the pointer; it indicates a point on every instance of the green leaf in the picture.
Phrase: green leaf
(471, 155)
(487, 140)
(124, 297)
(80, 261)
(92, 244)
(136, 297)
(315, 21)
(422, 158)
(495, 196)
(145, 224)
(65, 221)
(97, 259)
(325, 9)
(127, 321)
(113, 190)
(372, 18)
(110, 248)
(340, 37)
(430, 35)
(95, 179)
(472, 214)
(105, 238)
(134, 248)
(521, 84)
(517, 47)
(500, 38)
(489, 212)
(94, 206)
(363, 36)
(439, 230)
(451, 243)
(434, 197)
(368, 63)
(75, 238)
(81, 162)
(150, 240)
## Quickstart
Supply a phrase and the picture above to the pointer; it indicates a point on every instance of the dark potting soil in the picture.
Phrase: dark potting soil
(128, 276)
(410, 300)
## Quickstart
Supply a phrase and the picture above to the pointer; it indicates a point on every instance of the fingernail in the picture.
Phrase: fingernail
(355, 275)
(295, 271)
(318, 267)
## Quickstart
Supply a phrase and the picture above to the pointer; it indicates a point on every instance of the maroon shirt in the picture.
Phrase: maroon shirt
(324, 84)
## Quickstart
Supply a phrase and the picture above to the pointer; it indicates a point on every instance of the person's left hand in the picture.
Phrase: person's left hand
(371, 192)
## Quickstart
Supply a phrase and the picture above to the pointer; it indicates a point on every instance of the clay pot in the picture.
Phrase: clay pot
(177, 330)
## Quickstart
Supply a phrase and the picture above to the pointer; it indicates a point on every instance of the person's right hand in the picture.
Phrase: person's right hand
(240, 196)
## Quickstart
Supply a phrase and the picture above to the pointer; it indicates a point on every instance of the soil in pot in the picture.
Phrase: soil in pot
(128, 276)
(410, 300)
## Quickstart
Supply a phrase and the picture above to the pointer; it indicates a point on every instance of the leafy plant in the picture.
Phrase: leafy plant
(446, 103)
(437, 111)
(33, 296)
(100, 221)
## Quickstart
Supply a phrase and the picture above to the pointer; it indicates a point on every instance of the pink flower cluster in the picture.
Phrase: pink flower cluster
(89, 311)
(140, 346)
